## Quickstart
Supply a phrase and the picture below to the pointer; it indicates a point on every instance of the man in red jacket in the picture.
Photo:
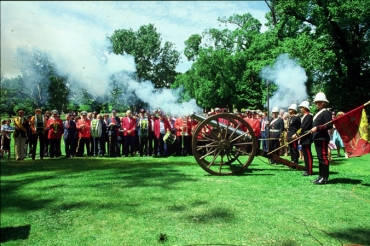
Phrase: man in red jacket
(83, 127)
(161, 127)
(55, 126)
(128, 125)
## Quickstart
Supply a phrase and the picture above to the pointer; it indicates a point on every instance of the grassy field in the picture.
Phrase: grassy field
(172, 201)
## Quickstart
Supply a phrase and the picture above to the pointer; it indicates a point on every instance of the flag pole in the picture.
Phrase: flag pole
(310, 130)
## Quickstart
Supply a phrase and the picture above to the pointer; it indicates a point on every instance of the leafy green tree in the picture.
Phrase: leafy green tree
(224, 73)
(341, 51)
(154, 63)
(58, 94)
(13, 94)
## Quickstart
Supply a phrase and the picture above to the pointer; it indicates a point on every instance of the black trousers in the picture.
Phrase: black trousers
(54, 147)
(81, 146)
(321, 147)
(128, 145)
(294, 153)
(69, 147)
(34, 139)
(153, 144)
(307, 154)
(143, 145)
(113, 146)
(95, 146)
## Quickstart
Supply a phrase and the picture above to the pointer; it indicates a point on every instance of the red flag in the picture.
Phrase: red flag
(353, 128)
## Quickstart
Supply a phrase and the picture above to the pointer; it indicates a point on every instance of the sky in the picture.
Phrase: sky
(72, 31)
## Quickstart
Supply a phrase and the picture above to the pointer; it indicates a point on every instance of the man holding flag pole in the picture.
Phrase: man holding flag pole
(321, 124)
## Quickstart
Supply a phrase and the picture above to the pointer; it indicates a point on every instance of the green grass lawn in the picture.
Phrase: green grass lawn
(172, 201)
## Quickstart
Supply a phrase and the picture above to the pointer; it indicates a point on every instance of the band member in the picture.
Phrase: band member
(38, 125)
(21, 126)
(55, 126)
(189, 136)
(321, 124)
(128, 125)
(161, 127)
(104, 135)
(46, 140)
(142, 124)
(96, 132)
(83, 127)
(305, 141)
(264, 123)
(6, 131)
(153, 143)
(294, 125)
(181, 125)
(276, 128)
(114, 124)
(171, 147)
(69, 136)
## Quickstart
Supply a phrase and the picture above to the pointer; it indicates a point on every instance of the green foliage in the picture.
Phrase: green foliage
(154, 63)
(58, 94)
(340, 55)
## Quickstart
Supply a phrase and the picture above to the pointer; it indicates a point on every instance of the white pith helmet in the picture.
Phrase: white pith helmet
(275, 110)
(305, 104)
(320, 97)
(293, 106)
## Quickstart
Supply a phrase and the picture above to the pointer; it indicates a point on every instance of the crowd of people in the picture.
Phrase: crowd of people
(156, 134)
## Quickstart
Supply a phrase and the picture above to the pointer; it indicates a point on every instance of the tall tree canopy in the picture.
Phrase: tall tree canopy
(154, 62)
(340, 52)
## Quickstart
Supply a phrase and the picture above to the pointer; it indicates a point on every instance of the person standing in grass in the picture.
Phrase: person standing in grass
(83, 127)
(38, 126)
(294, 125)
(321, 124)
(69, 136)
(305, 141)
(21, 127)
(6, 131)
(276, 128)
(55, 126)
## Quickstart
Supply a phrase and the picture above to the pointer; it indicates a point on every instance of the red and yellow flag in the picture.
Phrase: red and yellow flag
(353, 128)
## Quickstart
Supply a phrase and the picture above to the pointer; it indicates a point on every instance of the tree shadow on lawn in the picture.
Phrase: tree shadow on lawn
(120, 175)
(345, 181)
(356, 236)
(15, 233)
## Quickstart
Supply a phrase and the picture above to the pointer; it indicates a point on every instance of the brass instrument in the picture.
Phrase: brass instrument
(55, 126)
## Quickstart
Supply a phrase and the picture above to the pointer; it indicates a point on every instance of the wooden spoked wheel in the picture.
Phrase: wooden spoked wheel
(227, 144)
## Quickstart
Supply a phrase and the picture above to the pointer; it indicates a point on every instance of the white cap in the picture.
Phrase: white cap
(305, 104)
(275, 110)
(320, 97)
(293, 106)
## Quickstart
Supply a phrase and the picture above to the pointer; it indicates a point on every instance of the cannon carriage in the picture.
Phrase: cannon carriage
(225, 144)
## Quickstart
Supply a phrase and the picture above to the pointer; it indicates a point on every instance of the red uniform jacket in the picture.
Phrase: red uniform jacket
(128, 124)
(179, 123)
(167, 127)
(83, 132)
(56, 128)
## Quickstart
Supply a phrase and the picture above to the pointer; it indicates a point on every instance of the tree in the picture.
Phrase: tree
(154, 63)
(340, 29)
(13, 95)
(58, 93)
(223, 72)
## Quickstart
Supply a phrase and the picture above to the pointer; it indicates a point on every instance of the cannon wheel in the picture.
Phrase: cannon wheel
(221, 150)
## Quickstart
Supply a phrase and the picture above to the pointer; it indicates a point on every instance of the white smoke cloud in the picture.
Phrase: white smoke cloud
(290, 78)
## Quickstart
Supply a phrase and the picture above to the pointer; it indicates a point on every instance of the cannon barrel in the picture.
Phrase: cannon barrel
(230, 130)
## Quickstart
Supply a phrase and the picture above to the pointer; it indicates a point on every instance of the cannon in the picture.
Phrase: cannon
(225, 144)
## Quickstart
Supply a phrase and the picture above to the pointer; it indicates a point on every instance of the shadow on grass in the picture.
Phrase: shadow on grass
(356, 236)
(114, 173)
(345, 181)
(15, 233)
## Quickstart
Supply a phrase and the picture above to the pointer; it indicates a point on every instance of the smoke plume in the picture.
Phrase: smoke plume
(290, 78)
